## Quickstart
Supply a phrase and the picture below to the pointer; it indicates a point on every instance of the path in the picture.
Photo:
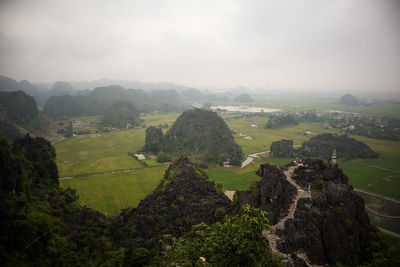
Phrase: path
(381, 215)
(377, 167)
(280, 225)
(377, 195)
(107, 172)
(251, 157)
(229, 194)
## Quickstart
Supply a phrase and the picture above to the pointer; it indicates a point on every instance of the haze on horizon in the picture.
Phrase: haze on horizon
(311, 44)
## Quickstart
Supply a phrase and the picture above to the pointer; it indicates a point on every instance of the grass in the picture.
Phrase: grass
(262, 138)
(233, 178)
(109, 193)
(102, 152)
(109, 151)
(99, 152)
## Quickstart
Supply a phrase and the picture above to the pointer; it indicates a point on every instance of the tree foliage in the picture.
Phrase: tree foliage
(238, 241)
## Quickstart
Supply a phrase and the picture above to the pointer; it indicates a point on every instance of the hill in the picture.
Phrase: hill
(61, 88)
(317, 216)
(100, 99)
(202, 134)
(346, 148)
(120, 115)
(41, 224)
(348, 100)
(184, 197)
(243, 98)
(324, 222)
(20, 106)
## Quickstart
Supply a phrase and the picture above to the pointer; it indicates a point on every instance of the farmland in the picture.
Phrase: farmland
(104, 152)
(109, 193)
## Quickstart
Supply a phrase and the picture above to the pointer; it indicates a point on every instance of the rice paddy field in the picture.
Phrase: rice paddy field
(110, 191)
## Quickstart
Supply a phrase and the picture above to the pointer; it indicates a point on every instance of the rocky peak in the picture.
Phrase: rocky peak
(317, 217)
(282, 148)
(184, 197)
(154, 139)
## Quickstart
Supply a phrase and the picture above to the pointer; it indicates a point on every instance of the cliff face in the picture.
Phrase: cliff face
(317, 217)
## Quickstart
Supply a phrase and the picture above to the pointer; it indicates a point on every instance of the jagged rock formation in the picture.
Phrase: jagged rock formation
(322, 146)
(20, 107)
(120, 114)
(348, 100)
(202, 134)
(244, 98)
(282, 148)
(317, 217)
(154, 139)
(184, 197)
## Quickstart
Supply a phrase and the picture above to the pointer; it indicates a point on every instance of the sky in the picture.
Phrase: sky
(310, 44)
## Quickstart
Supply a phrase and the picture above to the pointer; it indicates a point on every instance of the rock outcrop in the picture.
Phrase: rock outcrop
(184, 197)
(317, 217)
(282, 148)
(154, 139)
(202, 134)
(346, 148)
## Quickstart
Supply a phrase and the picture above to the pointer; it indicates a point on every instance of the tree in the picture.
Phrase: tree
(238, 241)
(68, 130)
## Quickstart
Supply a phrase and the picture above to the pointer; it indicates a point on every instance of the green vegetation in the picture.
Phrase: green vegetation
(202, 135)
(278, 121)
(99, 152)
(235, 242)
(109, 193)
(120, 115)
(323, 145)
(233, 178)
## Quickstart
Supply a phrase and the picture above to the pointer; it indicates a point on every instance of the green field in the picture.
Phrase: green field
(109, 193)
(298, 103)
(262, 138)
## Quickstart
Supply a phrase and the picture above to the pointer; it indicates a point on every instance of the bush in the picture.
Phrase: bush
(203, 165)
(163, 157)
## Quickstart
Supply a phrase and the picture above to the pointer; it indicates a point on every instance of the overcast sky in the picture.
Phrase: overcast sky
(317, 44)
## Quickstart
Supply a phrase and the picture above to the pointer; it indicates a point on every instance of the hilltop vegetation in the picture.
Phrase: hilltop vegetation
(199, 134)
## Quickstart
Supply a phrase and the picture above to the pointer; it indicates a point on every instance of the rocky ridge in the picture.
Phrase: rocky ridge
(184, 197)
(316, 215)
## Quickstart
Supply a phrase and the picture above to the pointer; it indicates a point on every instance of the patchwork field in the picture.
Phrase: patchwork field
(106, 152)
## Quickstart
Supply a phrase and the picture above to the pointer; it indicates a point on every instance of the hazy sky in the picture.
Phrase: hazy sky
(352, 44)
